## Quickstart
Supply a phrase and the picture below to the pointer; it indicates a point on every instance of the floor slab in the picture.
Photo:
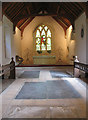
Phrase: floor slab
(49, 108)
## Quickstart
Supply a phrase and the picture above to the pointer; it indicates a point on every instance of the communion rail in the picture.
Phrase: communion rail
(8, 69)
(80, 67)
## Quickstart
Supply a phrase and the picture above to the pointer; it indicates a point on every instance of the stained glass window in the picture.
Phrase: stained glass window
(43, 38)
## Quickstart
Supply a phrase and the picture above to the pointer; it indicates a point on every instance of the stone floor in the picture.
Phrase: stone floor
(45, 108)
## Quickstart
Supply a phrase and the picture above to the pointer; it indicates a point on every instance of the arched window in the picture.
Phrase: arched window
(43, 38)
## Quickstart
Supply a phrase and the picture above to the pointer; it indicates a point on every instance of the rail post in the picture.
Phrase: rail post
(12, 69)
(2, 72)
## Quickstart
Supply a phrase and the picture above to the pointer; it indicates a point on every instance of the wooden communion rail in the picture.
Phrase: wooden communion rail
(9, 68)
(80, 67)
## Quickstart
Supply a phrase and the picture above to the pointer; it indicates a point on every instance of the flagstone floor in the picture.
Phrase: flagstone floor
(42, 108)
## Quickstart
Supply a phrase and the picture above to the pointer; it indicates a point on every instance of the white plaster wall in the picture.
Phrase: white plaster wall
(58, 39)
(0, 43)
(81, 42)
(87, 41)
(70, 46)
(0, 33)
(17, 41)
(9, 24)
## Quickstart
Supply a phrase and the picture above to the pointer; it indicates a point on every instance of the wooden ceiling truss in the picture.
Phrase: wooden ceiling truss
(22, 13)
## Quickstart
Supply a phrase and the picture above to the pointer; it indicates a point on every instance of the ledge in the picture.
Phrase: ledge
(43, 57)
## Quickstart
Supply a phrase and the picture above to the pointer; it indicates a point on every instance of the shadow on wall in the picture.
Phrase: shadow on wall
(27, 56)
(59, 53)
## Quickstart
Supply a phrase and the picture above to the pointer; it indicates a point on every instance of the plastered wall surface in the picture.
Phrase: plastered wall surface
(25, 46)
(59, 45)
(0, 43)
(70, 45)
(7, 25)
(17, 41)
(80, 50)
(87, 41)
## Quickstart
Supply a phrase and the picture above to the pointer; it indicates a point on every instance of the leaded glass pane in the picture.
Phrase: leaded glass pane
(40, 28)
(38, 41)
(43, 32)
(48, 47)
(43, 25)
(38, 33)
(48, 41)
(43, 47)
(48, 33)
(44, 41)
(43, 36)
(38, 47)
(46, 28)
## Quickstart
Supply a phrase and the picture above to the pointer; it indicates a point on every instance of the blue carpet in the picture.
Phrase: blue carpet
(59, 74)
(57, 89)
(30, 74)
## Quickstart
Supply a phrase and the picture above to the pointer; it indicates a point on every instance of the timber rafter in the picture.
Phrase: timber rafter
(22, 13)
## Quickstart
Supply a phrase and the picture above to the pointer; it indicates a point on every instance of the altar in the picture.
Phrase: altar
(45, 60)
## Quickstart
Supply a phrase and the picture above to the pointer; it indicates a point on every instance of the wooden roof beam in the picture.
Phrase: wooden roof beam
(66, 23)
(5, 6)
(83, 5)
(11, 10)
(15, 11)
(68, 13)
(25, 24)
(28, 10)
(58, 8)
(22, 23)
(19, 11)
(78, 6)
(68, 17)
(49, 14)
(74, 7)
(17, 19)
(27, 7)
(69, 10)
(63, 23)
